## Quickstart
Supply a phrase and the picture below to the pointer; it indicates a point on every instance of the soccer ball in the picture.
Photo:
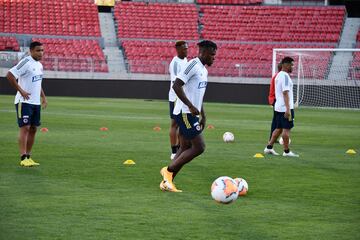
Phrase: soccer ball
(281, 141)
(243, 186)
(224, 190)
(228, 137)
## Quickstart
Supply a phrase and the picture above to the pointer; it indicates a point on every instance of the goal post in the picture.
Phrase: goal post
(323, 77)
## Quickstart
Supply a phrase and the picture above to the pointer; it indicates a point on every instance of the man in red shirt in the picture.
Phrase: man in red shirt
(271, 98)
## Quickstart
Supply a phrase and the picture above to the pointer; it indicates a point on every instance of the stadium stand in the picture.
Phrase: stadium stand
(229, 2)
(9, 44)
(259, 29)
(152, 56)
(50, 17)
(76, 55)
(355, 65)
(245, 34)
(66, 20)
(157, 20)
(245, 31)
(266, 23)
(255, 60)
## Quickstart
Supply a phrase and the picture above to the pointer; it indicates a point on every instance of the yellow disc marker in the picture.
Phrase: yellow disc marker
(129, 162)
(351, 151)
(258, 155)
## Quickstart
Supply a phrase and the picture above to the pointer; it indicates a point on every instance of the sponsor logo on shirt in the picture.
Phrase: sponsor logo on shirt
(202, 84)
(36, 78)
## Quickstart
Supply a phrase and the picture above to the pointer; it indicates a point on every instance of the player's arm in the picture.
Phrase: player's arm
(287, 103)
(285, 88)
(203, 117)
(43, 99)
(181, 95)
(12, 80)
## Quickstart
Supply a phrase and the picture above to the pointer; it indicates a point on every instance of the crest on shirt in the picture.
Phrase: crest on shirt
(25, 119)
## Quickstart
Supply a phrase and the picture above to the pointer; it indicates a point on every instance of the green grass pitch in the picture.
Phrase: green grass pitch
(83, 191)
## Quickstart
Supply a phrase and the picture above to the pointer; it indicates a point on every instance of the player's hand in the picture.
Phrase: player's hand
(25, 94)
(287, 114)
(44, 103)
(194, 111)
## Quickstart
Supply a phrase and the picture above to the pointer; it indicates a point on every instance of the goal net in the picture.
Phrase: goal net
(323, 77)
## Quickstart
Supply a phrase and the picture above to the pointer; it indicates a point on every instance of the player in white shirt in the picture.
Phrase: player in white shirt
(176, 65)
(26, 78)
(284, 108)
(189, 86)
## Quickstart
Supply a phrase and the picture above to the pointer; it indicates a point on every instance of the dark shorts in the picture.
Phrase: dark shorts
(282, 122)
(188, 124)
(28, 114)
(171, 106)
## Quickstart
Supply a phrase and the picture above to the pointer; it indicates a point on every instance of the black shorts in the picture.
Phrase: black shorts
(28, 114)
(282, 122)
(188, 124)
(171, 107)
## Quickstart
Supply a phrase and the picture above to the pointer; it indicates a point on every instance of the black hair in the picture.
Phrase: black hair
(35, 44)
(180, 43)
(287, 60)
(279, 67)
(207, 44)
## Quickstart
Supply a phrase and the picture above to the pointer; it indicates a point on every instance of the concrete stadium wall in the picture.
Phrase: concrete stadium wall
(142, 89)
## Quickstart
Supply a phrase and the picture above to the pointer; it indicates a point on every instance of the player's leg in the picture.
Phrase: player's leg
(275, 134)
(30, 140)
(35, 122)
(197, 148)
(190, 130)
(173, 138)
(273, 124)
(23, 139)
(192, 142)
(288, 125)
(285, 136)
(184, 145)
(23, 112)
(173, 132)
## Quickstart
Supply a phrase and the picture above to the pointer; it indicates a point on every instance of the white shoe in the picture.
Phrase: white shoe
(290, 154)
(270, 151)
(172, 156)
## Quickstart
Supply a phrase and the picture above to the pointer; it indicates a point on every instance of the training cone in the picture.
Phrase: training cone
(129, 162)
(157, 128)
(258, 155)
(44, 130)
(104, 129)
(210, 126)
(351, 151)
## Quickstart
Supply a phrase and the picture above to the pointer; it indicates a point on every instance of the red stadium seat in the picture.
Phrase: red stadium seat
(73, 55)
(25, 18)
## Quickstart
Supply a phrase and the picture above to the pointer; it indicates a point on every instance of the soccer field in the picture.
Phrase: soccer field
(83, 191)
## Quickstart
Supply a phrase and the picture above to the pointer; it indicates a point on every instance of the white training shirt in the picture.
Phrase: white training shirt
(283, 83)
(176, 66)
(195, 78)
(29, 74)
